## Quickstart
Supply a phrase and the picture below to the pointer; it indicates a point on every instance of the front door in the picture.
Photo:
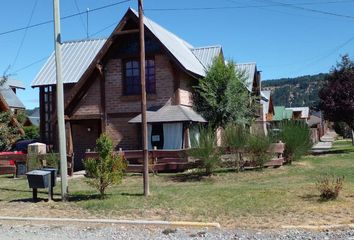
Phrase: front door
(85, 134)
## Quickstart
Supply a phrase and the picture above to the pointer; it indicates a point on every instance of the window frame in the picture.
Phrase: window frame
(150, 76)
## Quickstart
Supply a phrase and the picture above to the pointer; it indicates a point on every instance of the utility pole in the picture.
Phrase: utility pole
(143, 100)
(60, 103)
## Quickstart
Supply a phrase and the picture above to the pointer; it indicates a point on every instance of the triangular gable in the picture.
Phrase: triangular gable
(178, 49)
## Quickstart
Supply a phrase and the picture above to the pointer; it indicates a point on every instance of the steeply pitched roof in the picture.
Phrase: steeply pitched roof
(179, 48)
(206, 55)
(13, 83)
(76, 57)
(249, 71)
(265, 100)
(11, 98)
(171, 113)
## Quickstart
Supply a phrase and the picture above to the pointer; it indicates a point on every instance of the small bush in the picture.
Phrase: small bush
(257, 147)
(235, 136)
(296, 136)
(108, 169)
(205, 150)
(329, 186)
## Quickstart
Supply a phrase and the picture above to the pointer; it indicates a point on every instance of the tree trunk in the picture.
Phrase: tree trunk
(353, 137)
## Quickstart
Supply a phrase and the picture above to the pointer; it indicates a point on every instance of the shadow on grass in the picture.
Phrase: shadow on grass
(315, 198)
(83, 197)
(187, 177)
(39, 199)
(25, 191)
(132, 194)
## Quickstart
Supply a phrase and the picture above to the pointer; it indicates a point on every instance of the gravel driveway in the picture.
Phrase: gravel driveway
(28, 231)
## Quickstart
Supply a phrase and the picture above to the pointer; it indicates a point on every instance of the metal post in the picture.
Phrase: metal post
(143, 100)
(60, 103)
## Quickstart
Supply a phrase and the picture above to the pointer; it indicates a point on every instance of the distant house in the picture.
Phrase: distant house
(8, 98)
(102, 88)
(9, 102)
(33, 119)
(292, 113)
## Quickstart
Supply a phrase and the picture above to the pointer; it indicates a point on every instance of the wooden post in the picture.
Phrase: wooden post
(143, 100)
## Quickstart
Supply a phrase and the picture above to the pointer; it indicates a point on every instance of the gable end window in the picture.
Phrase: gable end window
(132, 77)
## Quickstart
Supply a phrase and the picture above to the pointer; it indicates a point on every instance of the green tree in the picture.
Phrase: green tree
(108, 169)
(337, 94)
(296, 136)
(8, 132)
(221, 96)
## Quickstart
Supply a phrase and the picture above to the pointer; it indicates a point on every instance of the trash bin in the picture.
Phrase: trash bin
(53, 175)
(38, 179)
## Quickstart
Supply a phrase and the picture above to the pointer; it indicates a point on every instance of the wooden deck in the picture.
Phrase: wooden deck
(159, 160)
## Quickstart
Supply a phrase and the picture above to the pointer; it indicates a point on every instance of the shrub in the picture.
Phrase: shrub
(257, 147)
(31, 132)
(108, 169)
(205, 150)
(296, 136)
(329, 186)
(235, 136)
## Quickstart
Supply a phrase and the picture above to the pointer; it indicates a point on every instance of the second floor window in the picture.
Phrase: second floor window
(132, 77)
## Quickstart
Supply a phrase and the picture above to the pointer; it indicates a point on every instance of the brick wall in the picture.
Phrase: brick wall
(90, 103)
(124, 135)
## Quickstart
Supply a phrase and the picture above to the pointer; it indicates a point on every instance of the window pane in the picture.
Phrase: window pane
(128, 64)
(135, 64)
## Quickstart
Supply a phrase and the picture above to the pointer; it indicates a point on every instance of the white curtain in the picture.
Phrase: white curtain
(194, 135)
(149, 126)
(172, 135)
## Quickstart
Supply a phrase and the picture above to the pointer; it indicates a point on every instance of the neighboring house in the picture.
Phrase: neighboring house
(102, 88)
(33, 119)
(317, 125)
(282, 113)
(267, 111)
(300, 113)
(291, 113)
(9, 100)
(8, 97)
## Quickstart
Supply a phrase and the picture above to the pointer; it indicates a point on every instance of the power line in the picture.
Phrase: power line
(81, 19)
(25, 33)
(275, 4)
(63, 18)
(295, 6)
(29, 65)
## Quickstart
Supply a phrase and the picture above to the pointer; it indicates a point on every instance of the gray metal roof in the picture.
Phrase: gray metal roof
(77, 55)
(206, 55)
(179, 48)
(13, 83)
(11, 98)
(249, 70)
(171, 113)
(76, 58)
(265, 100)
(34, 120)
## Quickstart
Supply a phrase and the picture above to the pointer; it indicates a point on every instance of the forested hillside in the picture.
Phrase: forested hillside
(295, 92)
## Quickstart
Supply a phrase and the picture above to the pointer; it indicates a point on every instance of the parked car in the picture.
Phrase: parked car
(21, 145)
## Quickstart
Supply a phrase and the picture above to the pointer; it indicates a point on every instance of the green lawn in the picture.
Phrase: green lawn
(272, 197)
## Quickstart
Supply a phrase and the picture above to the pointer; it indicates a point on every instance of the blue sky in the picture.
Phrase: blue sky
(286, 38)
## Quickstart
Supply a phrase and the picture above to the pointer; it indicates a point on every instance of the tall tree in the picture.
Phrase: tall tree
(221, 96)
(337, 94)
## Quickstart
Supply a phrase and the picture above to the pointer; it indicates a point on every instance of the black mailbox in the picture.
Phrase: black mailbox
(38, 179)
(53, 175)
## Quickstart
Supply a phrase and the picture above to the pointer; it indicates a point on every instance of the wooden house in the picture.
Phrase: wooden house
(102, 89)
